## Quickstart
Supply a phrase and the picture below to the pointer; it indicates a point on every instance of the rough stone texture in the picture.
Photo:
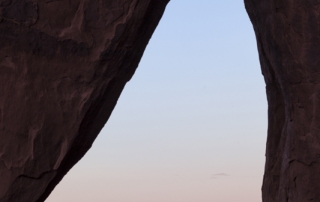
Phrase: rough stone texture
(288, 37)
(63, 65)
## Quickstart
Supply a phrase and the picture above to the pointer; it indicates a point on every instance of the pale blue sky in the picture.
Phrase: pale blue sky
(191, 125)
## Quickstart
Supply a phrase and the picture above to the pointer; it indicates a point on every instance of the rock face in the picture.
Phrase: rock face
(287, 33)
(63, 65)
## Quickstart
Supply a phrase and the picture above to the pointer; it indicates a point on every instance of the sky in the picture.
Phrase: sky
(191, 124)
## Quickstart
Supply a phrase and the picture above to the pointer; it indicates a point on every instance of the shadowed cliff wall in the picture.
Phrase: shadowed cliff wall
(287, 33)
(63, 65)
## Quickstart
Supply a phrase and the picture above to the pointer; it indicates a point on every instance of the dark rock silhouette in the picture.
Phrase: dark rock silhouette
(287, 33)
(63, 65)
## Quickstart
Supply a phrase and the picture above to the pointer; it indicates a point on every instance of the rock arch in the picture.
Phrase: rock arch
(61, 76)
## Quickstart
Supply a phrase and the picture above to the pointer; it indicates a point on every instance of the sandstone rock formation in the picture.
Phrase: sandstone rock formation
(63, 65)
(287, 33)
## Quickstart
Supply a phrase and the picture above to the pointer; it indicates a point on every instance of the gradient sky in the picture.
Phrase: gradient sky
(191, 125)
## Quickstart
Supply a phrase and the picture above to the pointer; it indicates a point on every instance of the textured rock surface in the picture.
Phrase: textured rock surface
(63, 65)
(288, 40)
